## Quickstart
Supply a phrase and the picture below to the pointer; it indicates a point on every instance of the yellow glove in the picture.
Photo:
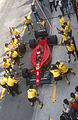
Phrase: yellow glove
(60, 43)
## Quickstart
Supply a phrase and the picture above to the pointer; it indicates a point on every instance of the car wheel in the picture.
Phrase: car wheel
(32, 43)
(41, 33)
(52, 40)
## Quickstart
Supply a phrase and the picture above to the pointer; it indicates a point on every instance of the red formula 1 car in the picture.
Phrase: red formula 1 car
(40, 59)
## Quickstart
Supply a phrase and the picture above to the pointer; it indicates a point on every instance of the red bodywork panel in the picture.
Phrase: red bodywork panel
(75, 106)
(45, 58)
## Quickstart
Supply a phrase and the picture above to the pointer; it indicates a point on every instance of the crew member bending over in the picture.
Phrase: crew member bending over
(32, 96)
(71, 50)
(13, 85)
(56, 73)
(64, 70)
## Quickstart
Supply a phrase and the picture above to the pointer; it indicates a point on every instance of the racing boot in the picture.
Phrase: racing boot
(68, 82)
(32, 104)
(20, 56)
(73, 72)
(8, 93)
(74, 58)
(29, 32)
(17, 73)
(69, 60)
(13, 62)
(41, 105)
(19, 67)
(55, 82)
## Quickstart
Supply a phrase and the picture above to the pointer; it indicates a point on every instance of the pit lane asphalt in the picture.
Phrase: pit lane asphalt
(18, 108)
(12, 14)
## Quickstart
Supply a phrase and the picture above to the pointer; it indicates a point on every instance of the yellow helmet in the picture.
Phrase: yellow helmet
(58, 60)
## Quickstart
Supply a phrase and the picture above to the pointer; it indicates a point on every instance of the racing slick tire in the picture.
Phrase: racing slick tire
(22, 48)
(40, 33)
(32, 43)
(52, 40)
(25, 73)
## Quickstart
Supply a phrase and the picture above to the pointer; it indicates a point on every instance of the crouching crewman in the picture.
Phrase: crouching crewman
(32, 96)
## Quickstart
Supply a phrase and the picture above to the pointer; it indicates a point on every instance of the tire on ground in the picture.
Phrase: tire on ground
(52, 40)
(32, 43)
(40, 33)
(25, 73)
(22, 48)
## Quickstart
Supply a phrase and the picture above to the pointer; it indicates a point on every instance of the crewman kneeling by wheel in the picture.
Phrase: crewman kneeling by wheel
(13, 85)
(64, 70)
(71, 50)
(42, 23)
(32, 96)
(14, 56)
(3, 82)
(56, 73)
(7, 66)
